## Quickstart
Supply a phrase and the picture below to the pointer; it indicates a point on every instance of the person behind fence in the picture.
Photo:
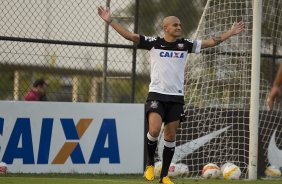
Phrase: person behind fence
(165, 99)
(37, 91)
(275, 90)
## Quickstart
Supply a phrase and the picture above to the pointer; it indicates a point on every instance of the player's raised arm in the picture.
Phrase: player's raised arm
(235, 29)
(105, 14)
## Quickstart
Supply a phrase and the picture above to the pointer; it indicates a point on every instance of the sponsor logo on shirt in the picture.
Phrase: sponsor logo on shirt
(150, 39)
(170, 54)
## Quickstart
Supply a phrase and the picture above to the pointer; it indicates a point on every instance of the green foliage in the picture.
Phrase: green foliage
(84, 88)
(151, 11)
(6, 85)
(120, 90)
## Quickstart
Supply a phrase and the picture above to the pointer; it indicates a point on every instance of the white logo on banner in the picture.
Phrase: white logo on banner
(183, 150)
(274, 153)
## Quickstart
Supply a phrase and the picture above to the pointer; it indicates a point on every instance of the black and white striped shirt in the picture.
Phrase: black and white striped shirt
(168, 63)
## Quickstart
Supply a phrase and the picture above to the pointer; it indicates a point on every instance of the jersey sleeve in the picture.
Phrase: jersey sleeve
(193, 46)
(146, 42)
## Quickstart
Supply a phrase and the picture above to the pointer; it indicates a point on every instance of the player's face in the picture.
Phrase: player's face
(174, 28)
(43, 88)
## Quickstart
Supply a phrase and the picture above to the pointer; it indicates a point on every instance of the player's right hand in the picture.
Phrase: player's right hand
(104, 13)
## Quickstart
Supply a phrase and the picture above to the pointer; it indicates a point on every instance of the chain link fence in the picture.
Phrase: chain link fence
(83, 59)
(68, 44)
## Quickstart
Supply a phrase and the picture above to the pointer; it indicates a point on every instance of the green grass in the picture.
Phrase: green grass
(109, 179)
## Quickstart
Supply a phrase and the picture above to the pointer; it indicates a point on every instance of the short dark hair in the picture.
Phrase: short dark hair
(39, 82)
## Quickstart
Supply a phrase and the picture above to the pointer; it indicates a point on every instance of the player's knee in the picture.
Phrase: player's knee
(154, 132)
(170, 136)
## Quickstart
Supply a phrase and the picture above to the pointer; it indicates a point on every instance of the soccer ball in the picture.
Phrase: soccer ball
(211, 171)
(182, 169)
(173, 170)
(272, 171)
(225, 165)
(158, 168)
(231, 172)
(3, 168)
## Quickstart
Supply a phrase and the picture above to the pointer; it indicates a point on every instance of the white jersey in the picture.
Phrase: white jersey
(168, 63)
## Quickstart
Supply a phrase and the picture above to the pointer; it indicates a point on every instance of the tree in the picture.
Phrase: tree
(152, 12)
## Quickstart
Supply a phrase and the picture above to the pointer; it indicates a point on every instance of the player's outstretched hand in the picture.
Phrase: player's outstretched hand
(237, 27)
(275, 92)
(104, 13)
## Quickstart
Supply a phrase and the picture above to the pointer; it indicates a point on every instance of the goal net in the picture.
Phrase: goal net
(218, 88)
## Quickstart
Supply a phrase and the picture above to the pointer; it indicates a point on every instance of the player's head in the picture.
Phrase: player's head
(41, 85)
(172, 26)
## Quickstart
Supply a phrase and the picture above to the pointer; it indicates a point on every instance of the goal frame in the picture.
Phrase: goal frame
(255, 83)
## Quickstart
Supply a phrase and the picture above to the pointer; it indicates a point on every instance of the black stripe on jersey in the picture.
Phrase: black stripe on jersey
(159, 43)
(178, 45)
(147, 42)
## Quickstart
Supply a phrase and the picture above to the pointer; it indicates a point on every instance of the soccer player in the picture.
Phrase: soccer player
(275, 90)
(165, 98)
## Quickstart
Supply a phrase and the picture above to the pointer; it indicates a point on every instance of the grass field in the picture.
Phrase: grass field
(107, 179)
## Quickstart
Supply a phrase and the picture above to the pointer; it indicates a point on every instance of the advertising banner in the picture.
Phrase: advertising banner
(50, 137)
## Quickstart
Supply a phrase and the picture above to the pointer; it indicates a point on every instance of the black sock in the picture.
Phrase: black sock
(168, 153)
(151, 149)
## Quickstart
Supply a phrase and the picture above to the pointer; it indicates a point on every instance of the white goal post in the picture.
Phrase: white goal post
(254, 103)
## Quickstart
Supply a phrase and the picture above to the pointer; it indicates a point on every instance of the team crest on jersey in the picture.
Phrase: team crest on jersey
(154, 104)
(180, 46)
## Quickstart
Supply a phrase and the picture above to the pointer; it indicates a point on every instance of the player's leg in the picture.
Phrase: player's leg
(169, 147)
(155, 124)
(154, 117)
(172, 119)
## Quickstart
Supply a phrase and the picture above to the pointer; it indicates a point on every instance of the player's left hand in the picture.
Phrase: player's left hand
(275, 91)
(237, 27)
